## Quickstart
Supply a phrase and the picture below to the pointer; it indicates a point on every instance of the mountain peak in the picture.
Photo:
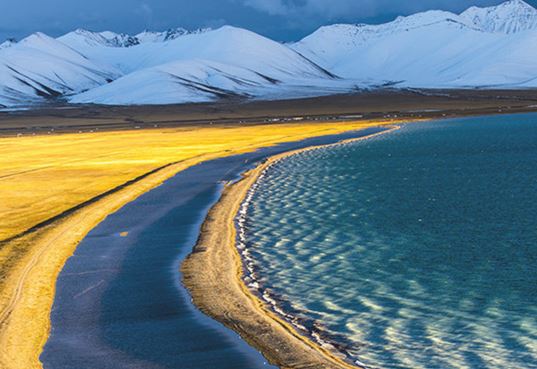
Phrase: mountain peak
(516, 3)
(509, 17)
(35, 36)
(351, 34)
(112, 39)
(38, 40)
(106, 38)
(120, 39)
(168, 35)
(426, 18)
(8, 43)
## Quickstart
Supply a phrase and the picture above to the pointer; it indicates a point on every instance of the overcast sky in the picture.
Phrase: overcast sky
(283, 20)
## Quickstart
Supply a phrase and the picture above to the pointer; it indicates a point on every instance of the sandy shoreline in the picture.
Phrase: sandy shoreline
(214, 275)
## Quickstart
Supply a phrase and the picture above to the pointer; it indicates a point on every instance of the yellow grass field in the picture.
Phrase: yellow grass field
(41, 177)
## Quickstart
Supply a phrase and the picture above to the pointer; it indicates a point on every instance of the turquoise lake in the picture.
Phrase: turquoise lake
(412, 249)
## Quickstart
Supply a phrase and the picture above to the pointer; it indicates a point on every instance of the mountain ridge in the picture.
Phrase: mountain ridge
(490, 47)
(509, 17)
(434, 49)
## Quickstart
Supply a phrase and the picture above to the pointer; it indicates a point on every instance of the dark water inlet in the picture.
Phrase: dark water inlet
(119, 301)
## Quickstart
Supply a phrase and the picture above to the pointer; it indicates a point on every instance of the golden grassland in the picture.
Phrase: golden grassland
(42, 177)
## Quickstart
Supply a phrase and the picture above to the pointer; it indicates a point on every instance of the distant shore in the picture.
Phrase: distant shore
(213, 274)
(373, 104)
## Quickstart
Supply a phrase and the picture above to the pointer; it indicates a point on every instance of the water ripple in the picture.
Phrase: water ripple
(416, 249)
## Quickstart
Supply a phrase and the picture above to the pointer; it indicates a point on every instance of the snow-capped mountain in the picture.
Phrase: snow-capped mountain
(510, 17)
(40, 67)
(331, 45)
(204, 66)
(174, 66)
(492, 47)
(112, 39)
(228, 45)
(106, 38)
(433, 49)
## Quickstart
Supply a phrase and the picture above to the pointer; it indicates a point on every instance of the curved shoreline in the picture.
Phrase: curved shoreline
(29, 288)
(214, 271)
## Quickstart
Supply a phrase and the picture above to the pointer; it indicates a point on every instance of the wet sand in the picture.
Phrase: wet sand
(213, 274)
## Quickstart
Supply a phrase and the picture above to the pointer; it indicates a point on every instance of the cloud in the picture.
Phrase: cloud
(146, 12)
(214, 23)
(145, 9)
(271, 7)
(280, 19)
(326, 9)
(332, 9)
